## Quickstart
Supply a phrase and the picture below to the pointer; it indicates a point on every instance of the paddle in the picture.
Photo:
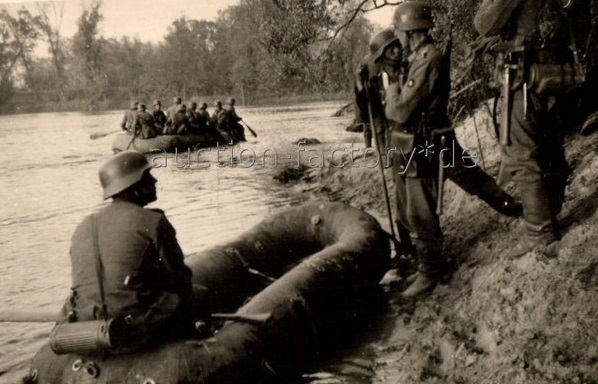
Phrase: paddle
(99, 135)
(258, 318)
(18, 316)
(249, 128)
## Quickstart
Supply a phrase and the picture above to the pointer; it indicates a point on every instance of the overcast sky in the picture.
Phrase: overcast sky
(149, 19)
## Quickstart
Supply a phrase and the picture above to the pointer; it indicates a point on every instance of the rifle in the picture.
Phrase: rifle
(402, 243)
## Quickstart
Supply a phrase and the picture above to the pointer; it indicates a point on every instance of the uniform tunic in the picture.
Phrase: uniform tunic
(425, 93)
(143, 272)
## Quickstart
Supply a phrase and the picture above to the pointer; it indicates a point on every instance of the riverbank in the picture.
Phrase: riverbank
(530, 320)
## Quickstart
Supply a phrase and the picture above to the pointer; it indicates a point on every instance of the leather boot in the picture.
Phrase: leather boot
(531, 240)
(432, 267)
(540, 222)
(423, 284)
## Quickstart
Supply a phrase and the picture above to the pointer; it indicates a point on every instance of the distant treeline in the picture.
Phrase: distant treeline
(260, 51)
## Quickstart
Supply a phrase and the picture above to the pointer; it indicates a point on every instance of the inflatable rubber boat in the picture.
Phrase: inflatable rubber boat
(308, 268)
(167, 143)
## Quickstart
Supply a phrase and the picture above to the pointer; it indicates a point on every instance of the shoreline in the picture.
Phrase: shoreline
(496, 320)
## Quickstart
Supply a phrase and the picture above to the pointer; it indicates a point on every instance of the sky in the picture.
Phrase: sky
(149, 19)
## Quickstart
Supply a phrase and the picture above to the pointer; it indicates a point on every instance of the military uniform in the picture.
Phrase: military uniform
(128, 122)
(415, 163)
(144, 275)
(177, 123)
(159, 118)
(146, 124)
(377, 80)
(534, 156)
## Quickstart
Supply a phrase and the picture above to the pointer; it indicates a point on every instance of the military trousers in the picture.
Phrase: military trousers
(535, 158)
(416, 200)
(464, 171)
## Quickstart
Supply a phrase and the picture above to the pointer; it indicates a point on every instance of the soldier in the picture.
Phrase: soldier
(216, 113)
(381, 67)
(416, 110)
(229, 121)
(128, 122)
(204, 115)
(420, 131)
(159, 115)
(194, 119)
(145, 281)
(176, 105)
(535, 39)
(178, 122)
(145, 123)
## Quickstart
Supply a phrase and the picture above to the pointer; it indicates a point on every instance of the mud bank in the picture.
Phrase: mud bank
(496, 320)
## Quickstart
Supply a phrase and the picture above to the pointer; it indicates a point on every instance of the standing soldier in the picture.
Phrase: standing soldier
(381, 67)
(385, 67)
(417, 111)
(536, 40)
(128, 122)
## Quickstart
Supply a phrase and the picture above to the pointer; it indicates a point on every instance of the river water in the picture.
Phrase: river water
(48, 174)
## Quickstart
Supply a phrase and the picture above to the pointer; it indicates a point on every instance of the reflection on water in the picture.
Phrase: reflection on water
(49, 178)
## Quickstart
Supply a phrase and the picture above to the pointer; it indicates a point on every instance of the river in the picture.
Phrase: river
(49, 184)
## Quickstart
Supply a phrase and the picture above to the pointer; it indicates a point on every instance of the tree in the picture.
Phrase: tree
(22, 36)
(88, 50)
(49, 23)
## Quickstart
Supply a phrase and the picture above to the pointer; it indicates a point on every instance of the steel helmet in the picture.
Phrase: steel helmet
(413, 15)
(121, 171)
(379, 43)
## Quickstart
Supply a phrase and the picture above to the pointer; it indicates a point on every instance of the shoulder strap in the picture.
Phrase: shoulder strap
(98, 262)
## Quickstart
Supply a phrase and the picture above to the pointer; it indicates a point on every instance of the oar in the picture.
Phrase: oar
(99, 135)
(19, 316)
(248, 127)
(258, 318)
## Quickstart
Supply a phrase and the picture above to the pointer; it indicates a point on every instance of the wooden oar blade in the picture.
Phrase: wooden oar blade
(19, 316)
(99, 135)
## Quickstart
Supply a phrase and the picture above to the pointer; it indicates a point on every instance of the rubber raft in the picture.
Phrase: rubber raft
(172, 143)
(323, 257)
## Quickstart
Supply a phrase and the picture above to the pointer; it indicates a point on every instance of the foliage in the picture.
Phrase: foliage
(256, 50)
(88, 50)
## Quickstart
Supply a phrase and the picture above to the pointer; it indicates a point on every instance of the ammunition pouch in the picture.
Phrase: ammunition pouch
(549, 79)
(415, 155)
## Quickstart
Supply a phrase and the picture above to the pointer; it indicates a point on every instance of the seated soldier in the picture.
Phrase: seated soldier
(144, 281)
(178, 122)
(146, 124)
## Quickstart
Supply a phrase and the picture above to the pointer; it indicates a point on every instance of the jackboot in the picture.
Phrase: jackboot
(532, 239)
(432, 267)
(539, 220)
